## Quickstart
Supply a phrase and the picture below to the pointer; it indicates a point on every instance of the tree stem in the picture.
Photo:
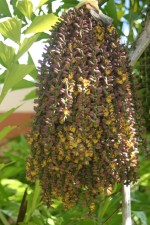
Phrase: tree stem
(126, 205)
(140, 44)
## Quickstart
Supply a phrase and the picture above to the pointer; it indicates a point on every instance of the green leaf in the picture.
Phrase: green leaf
(141, 215)
(111, 10)
(15, 74)
(3, 165)
(144, 180)
(5, 131)
(50, 221)
(25, 7)
(27, 43)
(43, 36)
(11, 29)
(2, 77)
(31, 95)
(16, 11)
(33, 74)
(68, 4)
(33, 201)
(131, 16)
(120, 14)
(6, 54)
(38, 220)
(42, 23)
(86, 222)
(23, 84)
(30, 223)
(8, 113)
(42, 2)
(3, 219)
(4, 9)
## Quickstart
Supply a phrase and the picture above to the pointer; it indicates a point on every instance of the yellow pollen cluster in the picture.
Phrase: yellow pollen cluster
(99, 32)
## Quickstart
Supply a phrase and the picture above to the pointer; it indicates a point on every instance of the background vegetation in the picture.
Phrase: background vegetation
(23, 24)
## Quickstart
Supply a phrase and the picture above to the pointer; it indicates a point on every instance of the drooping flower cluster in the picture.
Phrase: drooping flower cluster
(83, 138)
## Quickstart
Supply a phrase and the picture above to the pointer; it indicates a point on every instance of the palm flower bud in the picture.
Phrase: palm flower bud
(83, 137)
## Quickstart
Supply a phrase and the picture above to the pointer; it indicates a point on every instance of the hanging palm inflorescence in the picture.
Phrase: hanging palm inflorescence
(84, 136)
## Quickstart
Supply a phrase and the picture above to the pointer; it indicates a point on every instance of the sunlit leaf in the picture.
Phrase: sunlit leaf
(120, 14)
(56, 204)
(144, 180)
(14, 185)
(42, 2)
(5, 131)
(16, 10)
(25, 7)
(8, 113)
(33, 74)
(23, 84)
(6, 54)
(13, 76)
(31, 95)
(4, 9)
(27, 43)
(42, 23)
(11, 28)
(50, 221)
(135, 6)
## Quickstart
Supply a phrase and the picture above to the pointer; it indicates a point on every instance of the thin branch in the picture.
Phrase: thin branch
(23, 208)
(140, 44)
